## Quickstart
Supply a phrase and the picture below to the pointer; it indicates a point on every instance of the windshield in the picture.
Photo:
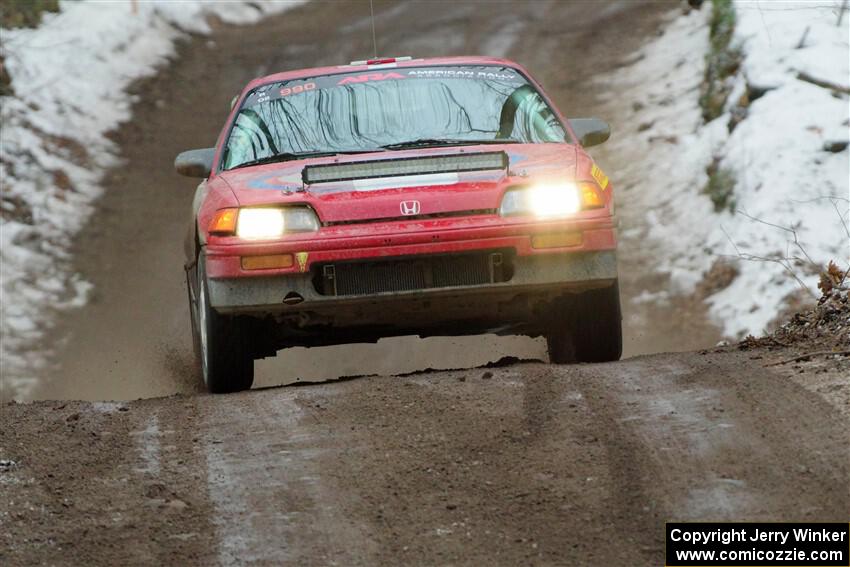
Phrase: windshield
(389, 109)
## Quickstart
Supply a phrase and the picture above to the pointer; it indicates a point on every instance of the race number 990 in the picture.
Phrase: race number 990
(286, 91)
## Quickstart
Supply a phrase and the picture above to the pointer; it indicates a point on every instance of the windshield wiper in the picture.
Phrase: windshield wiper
(289, 156)
(436, 142)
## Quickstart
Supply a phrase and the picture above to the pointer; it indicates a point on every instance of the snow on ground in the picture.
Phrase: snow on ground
(783, 174)
(70, 76)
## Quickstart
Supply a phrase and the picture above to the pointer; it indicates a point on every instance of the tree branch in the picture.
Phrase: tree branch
(803, 76)
(807, 356)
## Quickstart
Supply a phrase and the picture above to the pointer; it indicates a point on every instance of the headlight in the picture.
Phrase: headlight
(258, 223)
(543, 201)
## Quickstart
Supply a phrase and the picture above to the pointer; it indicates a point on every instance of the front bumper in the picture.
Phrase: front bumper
(539, 276)
(305, 314)
(407, 239)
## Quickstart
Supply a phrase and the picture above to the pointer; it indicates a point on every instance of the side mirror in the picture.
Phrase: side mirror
(195, 163)
(590, 131)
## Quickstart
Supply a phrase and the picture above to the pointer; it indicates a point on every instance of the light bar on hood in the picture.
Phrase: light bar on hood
(404, 166)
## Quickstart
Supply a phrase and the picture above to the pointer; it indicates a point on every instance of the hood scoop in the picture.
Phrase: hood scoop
(427, 165)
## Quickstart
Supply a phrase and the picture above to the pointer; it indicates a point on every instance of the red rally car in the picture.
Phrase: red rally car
(395, 197)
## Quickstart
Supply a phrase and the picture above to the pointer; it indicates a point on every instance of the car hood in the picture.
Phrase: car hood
(420, 182)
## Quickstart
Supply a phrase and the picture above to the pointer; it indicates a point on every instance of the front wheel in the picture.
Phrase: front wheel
(587, 328)
(222, 344)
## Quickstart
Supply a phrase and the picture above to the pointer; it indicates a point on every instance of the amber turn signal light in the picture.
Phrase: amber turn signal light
(591, 197)
(556, 240)
(268, 262)
(224, 222)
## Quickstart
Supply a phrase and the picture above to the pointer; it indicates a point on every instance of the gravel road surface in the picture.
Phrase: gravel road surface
(512, 465)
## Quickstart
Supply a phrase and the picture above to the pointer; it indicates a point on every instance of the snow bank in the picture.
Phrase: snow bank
(783, 174)
(777, 155)
(70, 76)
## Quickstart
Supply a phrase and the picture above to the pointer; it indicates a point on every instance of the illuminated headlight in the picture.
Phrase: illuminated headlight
(261, 223)
(542, 201)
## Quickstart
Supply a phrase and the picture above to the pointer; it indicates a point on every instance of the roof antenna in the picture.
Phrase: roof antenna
(374, 39)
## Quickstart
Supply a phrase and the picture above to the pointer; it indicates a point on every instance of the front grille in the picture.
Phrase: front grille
(446, 215)
(410, 274)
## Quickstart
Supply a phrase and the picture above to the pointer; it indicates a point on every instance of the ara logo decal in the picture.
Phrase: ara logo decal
(297, 89)
(370, 77)
(302, 261)
(409, 208)
(600, 177)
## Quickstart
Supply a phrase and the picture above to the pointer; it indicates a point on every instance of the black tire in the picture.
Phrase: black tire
(559, 337)
(587, 328)
(191, 288)
(222, 344)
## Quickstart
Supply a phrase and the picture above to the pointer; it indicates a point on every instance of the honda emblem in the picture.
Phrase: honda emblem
(409, 208)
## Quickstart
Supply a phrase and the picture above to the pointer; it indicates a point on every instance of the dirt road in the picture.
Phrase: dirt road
(524, 464)
(133, 341)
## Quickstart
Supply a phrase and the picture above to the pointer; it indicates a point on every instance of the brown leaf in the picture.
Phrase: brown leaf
(825, 283)
(832, 277)
(835, 272)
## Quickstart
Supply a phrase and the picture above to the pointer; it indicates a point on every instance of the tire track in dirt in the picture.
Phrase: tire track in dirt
(459, 468)
(691, 441)
(267, 495)
(100, 484)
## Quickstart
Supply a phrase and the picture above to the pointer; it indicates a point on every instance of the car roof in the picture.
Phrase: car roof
(403, 63)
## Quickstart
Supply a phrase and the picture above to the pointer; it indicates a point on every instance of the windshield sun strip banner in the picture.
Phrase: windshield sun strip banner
(285, 89)
(326, 173)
